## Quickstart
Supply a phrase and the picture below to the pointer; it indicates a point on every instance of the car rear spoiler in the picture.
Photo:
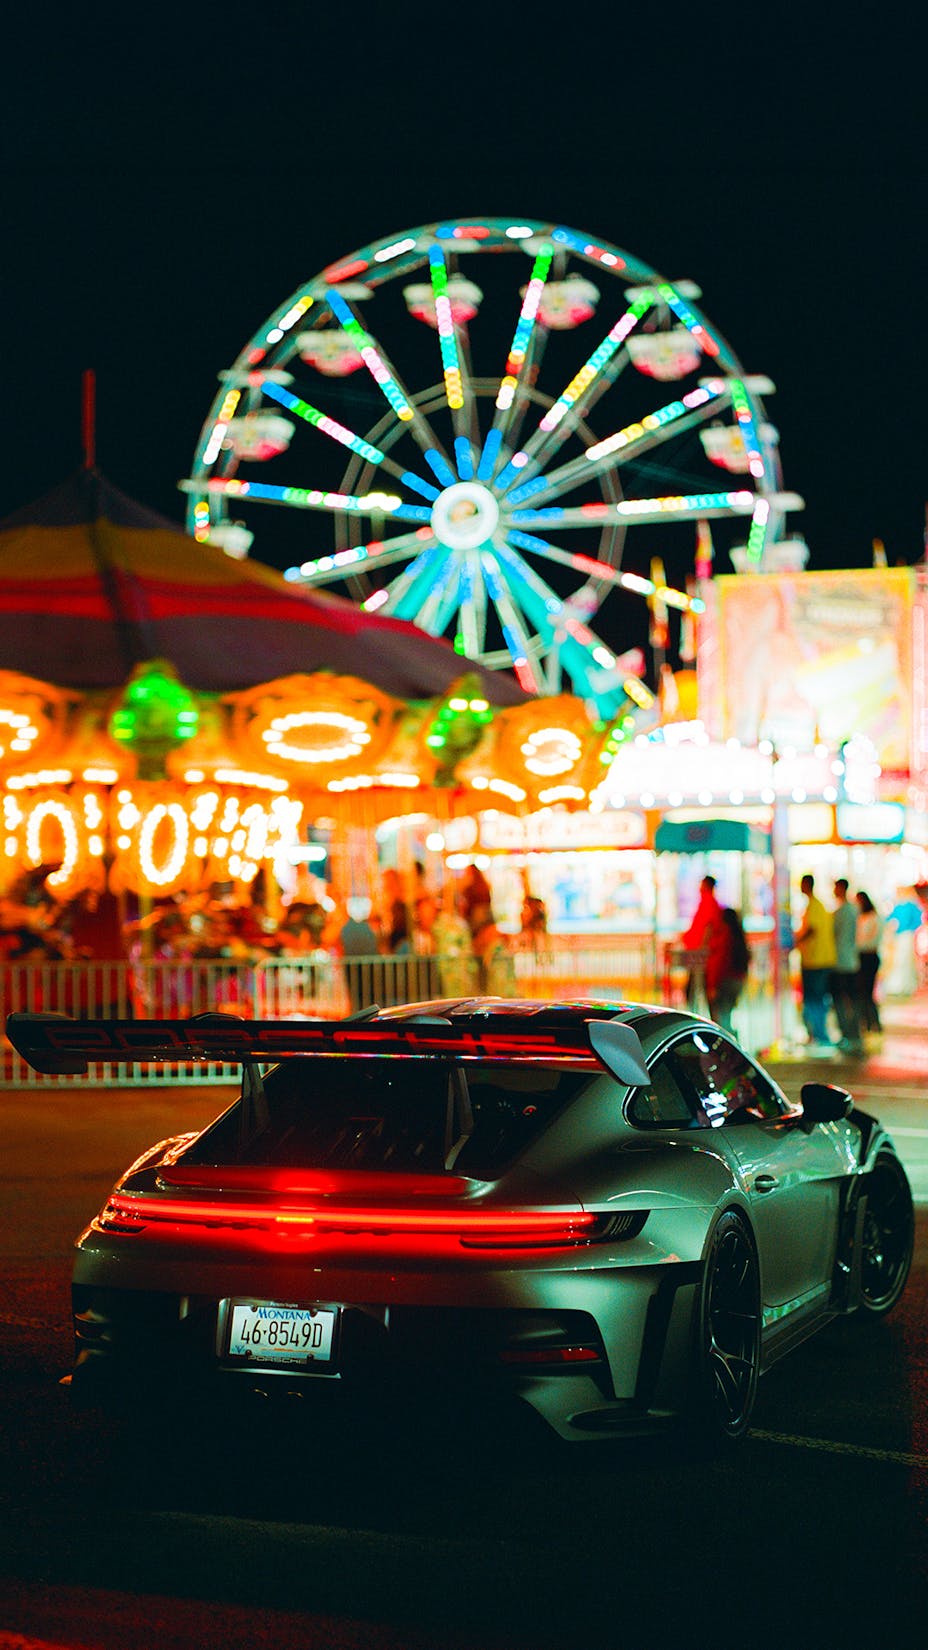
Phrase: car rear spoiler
(57, 1045)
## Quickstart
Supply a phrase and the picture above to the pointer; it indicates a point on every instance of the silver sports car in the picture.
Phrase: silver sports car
(607, 1211)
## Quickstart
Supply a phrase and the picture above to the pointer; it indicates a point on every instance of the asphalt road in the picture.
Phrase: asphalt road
(815, 1530)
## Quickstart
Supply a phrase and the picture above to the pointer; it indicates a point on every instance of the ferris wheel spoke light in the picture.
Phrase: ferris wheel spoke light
(539, 604)
(680, 506)
(328, 426)
(417, 485)
(525, 326)
(464, 455)
(371, 357)
(307, 498)
(473, 606)
(591, 368)
(440, 467)
(538, 599)
(591, 568)
(519, 349)
(514, 468)
(405, 592)
(748, 429)
(439, 603)
(514, 631)
(450, 359)
(356, 558)
(757, 536)
(634, 434)
(447, 596)
(487, 461)
(682, 311)
(577, 391)
(633, 440)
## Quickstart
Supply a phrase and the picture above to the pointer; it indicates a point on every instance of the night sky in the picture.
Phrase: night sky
(163, 194)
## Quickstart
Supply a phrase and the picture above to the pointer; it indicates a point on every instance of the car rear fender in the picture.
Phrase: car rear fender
(655, 1173)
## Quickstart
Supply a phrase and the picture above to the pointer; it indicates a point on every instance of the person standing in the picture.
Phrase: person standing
(869, 929)
(815, 941)
(457, 965)
(844, 990)
(706, 917)
(902, 926)
(726, 966)
(357, 944)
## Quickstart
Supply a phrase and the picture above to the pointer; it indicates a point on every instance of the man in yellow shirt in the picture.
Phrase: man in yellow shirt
(815, 942)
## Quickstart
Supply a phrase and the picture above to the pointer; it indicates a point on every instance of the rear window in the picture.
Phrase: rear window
(430, 1116)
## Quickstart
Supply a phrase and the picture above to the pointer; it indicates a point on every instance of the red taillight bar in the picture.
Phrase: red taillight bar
(470, 1225)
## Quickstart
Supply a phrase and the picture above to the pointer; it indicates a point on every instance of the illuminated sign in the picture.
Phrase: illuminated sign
(562, 830)
(871, 821)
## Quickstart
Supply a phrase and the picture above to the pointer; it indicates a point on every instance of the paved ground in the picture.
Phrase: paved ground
(816, 1530)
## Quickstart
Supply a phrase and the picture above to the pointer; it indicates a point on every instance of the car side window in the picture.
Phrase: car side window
(664, 1104)
(731, 1089)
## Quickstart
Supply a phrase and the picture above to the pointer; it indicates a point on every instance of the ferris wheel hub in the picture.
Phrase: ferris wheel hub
(465, 515)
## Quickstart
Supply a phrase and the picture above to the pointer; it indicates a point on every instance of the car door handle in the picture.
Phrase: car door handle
(764, 1182)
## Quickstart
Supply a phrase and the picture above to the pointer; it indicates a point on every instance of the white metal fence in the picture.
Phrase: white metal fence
(619, 967)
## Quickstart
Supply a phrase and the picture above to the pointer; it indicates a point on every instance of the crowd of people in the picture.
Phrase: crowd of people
(454, 925)
(840, 961)
(840, 946)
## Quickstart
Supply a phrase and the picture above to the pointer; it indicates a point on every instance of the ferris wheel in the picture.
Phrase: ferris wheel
(464, 423)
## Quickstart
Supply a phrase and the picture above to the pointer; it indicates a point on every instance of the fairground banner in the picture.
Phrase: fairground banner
(806, 657)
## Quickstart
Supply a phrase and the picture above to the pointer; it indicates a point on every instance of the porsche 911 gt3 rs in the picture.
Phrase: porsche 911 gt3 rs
(607, 1211)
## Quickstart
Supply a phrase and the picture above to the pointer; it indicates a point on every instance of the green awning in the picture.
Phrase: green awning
(710, 836)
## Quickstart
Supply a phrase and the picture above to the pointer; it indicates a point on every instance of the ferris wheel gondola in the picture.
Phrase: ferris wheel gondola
(486, 490)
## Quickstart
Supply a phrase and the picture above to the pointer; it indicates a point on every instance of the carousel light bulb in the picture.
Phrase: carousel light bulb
(173, 814)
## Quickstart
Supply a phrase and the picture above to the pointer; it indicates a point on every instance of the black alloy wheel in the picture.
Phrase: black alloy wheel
(888, 1236)
(727, 1353)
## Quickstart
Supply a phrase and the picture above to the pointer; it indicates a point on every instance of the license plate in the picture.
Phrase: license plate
(269, 1333)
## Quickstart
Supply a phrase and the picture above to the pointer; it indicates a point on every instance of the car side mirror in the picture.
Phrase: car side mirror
(824, 1103)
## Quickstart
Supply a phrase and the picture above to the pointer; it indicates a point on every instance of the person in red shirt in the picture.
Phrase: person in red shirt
(707, 912)
(706, 917)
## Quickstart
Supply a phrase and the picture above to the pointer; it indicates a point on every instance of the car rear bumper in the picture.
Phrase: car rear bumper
(590, 1352)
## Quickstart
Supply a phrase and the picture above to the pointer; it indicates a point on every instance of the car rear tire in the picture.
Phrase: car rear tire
(887, 1238)
(726, 1351)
